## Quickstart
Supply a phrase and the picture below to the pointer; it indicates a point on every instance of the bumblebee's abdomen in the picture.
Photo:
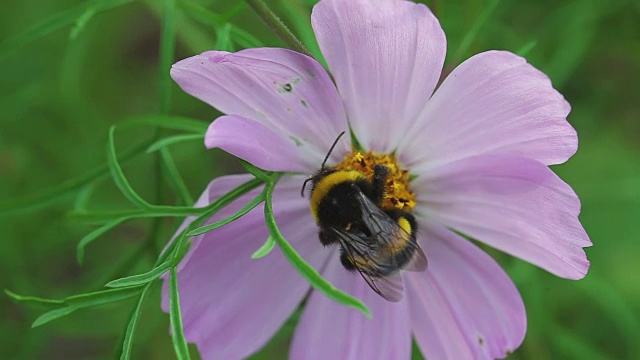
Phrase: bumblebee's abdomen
(402, 256)
(400, 251)
(405, 246)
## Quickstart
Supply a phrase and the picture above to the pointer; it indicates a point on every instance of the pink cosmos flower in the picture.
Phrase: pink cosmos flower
(477, 149)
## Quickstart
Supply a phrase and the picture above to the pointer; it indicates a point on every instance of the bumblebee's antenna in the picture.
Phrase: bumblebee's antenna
(331, 149)
(323, 163)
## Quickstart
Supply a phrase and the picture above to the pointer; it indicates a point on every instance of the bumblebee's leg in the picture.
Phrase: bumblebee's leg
(380, 175)
(326, 238)
(346, 260)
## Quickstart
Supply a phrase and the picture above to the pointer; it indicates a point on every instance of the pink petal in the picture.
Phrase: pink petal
(285, 91)
(464, 306)
(329, 330)
(386, 57)
(214, 191)
(515, 204)
(232, 305)
(260, 145)
(493, 103)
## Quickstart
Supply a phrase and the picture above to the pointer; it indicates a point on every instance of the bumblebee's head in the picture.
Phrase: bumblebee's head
(315, 178)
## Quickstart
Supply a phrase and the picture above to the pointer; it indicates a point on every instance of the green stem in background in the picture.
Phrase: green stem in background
(471, 35)
(298, 15)
(175, 179)
(40, 199)
(167, 49)
(64, 18)
(277, 26)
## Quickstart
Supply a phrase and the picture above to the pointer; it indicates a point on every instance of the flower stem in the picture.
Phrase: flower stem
(277, 26)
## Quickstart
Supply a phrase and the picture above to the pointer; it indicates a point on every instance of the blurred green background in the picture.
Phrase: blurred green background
(64, 83)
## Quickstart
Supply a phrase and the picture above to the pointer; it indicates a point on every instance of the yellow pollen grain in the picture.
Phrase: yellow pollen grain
(397, 192)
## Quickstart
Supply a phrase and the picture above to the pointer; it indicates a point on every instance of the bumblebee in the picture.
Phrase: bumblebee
(376, 241)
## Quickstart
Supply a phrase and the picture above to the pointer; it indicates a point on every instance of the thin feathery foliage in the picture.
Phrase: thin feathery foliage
(81, 220)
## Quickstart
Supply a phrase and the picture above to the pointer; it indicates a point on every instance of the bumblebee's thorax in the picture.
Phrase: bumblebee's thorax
(334, 187)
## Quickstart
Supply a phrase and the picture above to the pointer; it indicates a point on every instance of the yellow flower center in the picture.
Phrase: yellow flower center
(397, 193)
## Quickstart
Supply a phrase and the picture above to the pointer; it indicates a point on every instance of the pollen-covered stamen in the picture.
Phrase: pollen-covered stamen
(397, 193)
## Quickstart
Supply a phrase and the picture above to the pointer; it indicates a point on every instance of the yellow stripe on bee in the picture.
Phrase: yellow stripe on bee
(404, 224)
(327, 183)
(396, 245)
(403, 238)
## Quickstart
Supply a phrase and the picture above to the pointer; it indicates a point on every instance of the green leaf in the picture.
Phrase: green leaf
(32, 299)
(118, 175)
(131, 325)
(615, 307)
(245, 209)
(258, 173)
(206, 17)
(307, 271)
(155, 211)
(53, 23)
(175, 179)
(179, 342)
(167, 211)
(102, 297)
(83, 196)
(300, 17)
(524, 50)
(53, 315)
(573, 346)
(265, 249)
(176, 139)
(81, 22)
(245, 39)
(200, 13)
(82, 301)
(223, 38)
(141, 279)
(168, 122)
(39, 199)
(277, 26)
(94, 235)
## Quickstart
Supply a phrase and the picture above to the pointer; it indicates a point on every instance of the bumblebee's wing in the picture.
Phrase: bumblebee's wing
(387, 234)
(418, 262)
(390, 286)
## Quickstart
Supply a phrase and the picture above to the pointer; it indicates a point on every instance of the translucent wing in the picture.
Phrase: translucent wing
(387, 235)
(389, 286)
